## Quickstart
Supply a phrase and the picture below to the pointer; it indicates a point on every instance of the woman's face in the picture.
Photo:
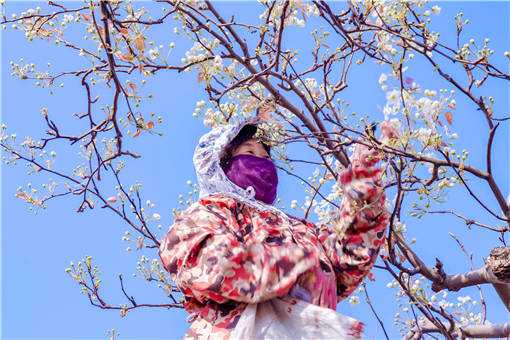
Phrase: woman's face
(251, 147)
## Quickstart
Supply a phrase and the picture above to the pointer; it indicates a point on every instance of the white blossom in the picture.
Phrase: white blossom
(293, 204)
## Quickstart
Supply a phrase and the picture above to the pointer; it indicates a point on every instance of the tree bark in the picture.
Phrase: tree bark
(471, 331)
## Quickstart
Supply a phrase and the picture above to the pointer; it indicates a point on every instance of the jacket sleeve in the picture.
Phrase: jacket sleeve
(210, 262)
(353, 238)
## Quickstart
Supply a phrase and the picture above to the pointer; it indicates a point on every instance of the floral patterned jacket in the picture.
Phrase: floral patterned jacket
(225, 254)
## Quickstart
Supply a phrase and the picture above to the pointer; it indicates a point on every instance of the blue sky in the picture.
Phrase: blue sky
(40, 301)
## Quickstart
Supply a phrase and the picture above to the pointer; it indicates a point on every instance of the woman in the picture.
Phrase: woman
(248, 270)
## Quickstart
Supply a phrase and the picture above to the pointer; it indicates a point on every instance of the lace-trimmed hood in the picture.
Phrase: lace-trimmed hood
(211, 177)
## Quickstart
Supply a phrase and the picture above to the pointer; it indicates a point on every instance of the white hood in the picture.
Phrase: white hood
(211, 177)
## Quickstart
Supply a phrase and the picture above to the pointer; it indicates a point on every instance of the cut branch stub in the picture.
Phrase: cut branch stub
(438, 269)
(499, 263)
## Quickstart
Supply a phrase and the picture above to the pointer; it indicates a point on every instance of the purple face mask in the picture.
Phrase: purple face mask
(257, 172)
